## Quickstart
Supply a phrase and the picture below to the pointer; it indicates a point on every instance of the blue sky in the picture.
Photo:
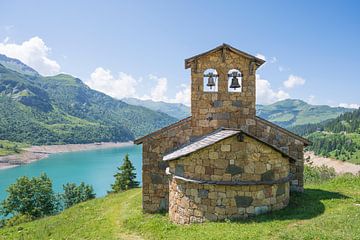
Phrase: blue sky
(137, 48)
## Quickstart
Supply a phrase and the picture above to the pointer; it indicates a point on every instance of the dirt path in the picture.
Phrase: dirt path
(339, 166)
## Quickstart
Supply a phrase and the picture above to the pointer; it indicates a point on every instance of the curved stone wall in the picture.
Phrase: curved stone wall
(194, 203)
(230, 179)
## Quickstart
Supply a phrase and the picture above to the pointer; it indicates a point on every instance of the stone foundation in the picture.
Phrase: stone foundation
(196, 203)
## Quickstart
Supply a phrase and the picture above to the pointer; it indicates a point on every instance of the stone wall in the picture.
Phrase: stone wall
(211, 110)
(155, 187)
(228, 161)
(287, 142)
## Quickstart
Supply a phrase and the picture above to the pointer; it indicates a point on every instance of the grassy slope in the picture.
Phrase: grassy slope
(326, 211)
(7, 147)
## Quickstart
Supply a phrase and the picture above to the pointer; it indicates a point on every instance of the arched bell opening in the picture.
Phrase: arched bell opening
(211, 78)
(234, 81)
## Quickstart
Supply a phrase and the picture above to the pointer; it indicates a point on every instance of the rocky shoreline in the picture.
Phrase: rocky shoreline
(35, 153)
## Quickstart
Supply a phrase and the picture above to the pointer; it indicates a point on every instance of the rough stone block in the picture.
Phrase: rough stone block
(268, 176)
(243, 201)
(203, 193)
(233, 169)
(236, 103)
(217, 103)
(156, 179)
(280, 189)
(179, 170)
(225, 147)
(261, 210)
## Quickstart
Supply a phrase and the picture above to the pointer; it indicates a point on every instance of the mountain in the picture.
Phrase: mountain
(176, 110)
(17, 65)
(62, 109)
(291, 112)
(286, 113)
(338, 138)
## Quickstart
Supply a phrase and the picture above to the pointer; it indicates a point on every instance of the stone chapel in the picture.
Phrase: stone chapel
(222, 162)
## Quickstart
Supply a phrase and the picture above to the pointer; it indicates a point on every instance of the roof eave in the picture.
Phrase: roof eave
(257, 60)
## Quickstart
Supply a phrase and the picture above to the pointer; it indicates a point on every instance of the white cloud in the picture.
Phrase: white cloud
(273, 60)
(293, 81)
(261, 56)
(6, 40)
(311, 99)
(118, 87)
(349, 105)
(34, 53)
(184, 95)
(158, 92)
(265, 94)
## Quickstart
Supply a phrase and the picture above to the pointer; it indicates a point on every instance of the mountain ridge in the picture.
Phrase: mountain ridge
(62, 109)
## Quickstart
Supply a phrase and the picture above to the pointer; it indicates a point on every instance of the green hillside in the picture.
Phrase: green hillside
(337, 138)
(62, 109)
(291, 112)
(324, 211)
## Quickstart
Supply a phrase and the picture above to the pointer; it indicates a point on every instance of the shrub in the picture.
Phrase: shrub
(314, 174)
(32, 197)
(76, 194)
(125, 178)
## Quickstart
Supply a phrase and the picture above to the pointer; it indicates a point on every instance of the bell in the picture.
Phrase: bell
(211, 80)
(234, 81)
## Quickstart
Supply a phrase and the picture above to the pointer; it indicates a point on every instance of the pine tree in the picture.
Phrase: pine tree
(125, 178)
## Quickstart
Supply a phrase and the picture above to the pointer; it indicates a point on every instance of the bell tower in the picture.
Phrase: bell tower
(223, 89)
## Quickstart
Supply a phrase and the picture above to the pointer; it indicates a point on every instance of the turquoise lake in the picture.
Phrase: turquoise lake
(95, 167)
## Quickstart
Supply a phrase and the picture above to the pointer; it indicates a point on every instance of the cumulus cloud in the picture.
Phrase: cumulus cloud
(261, 56)
(311, 99)
(349, 105)
(124, 85)
(184, 95)
(265, 94)
(6, 39)
(293, 81)
(158, 92)
(32, 52)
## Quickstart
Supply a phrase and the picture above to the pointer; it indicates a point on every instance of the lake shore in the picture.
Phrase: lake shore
(35, 153)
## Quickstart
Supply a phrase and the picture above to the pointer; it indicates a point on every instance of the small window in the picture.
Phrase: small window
(211, 80)
(234, 80)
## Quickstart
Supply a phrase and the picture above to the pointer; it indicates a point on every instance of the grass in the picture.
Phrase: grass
(7, 147)
(324, 211)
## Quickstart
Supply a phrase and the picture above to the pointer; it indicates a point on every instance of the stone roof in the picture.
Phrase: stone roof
(224, 47)
(148, 137)
(212, 138)
(301, 139)
(203, 142)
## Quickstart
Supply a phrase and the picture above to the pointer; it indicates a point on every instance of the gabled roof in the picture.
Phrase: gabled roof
(212, 138)
(223, 47)
(185, 120)
(200, 143)
(301, 139)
